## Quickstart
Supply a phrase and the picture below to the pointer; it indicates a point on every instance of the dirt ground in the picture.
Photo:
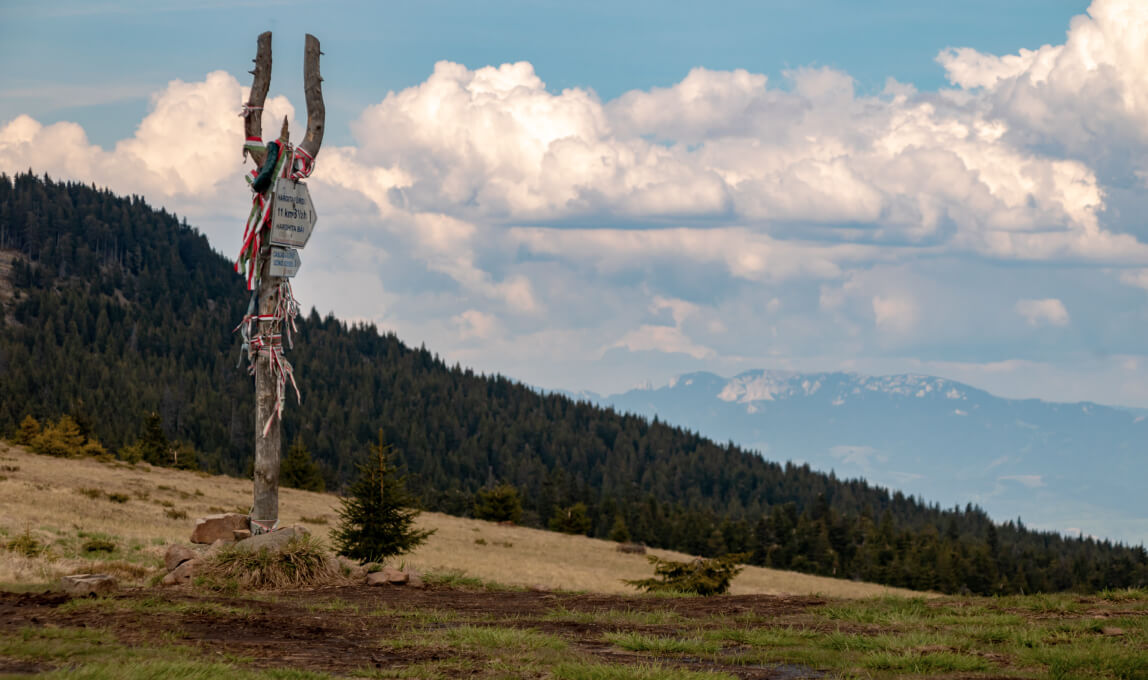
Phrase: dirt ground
(339, 630)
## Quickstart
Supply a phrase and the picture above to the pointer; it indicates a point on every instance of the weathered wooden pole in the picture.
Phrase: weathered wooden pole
(269, 364)
(268, 441)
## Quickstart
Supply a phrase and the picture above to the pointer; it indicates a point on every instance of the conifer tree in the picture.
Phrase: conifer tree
(619, 532)
(29, 428)
(299, 471)
(499, 504)
(60, 439)
(376, 520)
(153, 444)
(572, 520)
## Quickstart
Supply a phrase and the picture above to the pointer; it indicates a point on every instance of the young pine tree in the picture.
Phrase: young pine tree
(619, 532)
(60, 439)
(153, 444)
(299, 471)
(377, 517)
(29, 430)
(498, 504)
(572, 520)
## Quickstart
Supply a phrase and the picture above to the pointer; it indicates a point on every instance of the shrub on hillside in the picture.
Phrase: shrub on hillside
(25, 544)
(63, 438)
(29, 429)
(376, 520)
(498, 504)
(619, 532)
(572, 520)
(699, 576)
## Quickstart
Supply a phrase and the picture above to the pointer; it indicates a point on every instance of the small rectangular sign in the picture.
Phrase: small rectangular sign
(292, 214)
(285, 262)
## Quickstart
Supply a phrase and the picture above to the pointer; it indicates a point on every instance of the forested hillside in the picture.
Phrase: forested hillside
(113, 310)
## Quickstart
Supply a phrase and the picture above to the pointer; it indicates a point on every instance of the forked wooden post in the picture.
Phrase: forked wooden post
(268, 440)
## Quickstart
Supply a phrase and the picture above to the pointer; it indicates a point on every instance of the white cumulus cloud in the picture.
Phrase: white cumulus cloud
(723, 219)
(1049, 311)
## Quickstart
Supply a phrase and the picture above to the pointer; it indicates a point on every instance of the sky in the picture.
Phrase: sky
(592, 196)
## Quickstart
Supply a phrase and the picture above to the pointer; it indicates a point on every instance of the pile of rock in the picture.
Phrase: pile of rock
(88, 585)
(216, 531)
(390, 576)
(228, 527)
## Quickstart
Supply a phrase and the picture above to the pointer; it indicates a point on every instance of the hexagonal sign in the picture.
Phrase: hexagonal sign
(292, 214)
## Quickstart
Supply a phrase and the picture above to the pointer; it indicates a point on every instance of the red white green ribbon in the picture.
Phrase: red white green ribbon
(302, 164)
(260, 216)
(281, 319)
(255, 343)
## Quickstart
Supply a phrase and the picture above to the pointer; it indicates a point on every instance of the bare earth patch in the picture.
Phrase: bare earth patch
(445, 632)
(346, 630)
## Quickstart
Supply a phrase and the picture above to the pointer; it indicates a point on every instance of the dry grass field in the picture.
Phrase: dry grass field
(69, 505)
(66, 516)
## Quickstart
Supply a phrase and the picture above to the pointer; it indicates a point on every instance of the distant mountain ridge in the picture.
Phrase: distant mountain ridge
(1058, 466)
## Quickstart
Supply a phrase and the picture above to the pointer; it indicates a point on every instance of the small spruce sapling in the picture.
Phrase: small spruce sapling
(619, 532)
(299, 470)
(377, 517)
(29, 430)
(572, 520)
(499, 504)
(699, 576)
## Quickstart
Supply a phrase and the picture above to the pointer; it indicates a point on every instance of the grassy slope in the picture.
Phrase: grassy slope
(66, 503)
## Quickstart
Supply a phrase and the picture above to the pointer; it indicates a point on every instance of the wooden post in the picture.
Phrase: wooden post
(265, 510)
(268, 440)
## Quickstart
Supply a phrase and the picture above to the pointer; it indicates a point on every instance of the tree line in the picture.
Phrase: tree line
(120, 316)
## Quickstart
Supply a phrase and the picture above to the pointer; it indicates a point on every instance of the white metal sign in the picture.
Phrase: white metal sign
(284, 262)
(292, 215)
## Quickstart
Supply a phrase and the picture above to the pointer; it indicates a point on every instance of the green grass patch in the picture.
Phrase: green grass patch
(640, 642)
(1090, 658)
(424, 616)
(1124, 595)
(768, 638)
(427, 670)
(926, 663)
(334, 605)
(490, 637)
(603, 671)
(456, 578)
(1042, 603)
(55, 644)
(188, 669)
(632, 617)
(884, 610)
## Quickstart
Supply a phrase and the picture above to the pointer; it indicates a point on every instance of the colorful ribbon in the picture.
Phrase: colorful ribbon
(271, 345)
(256, 343)
(259, 217)
(302, 164)
(281, 320)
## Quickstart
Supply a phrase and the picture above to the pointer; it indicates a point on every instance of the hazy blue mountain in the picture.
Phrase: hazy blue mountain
(1068, 467)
